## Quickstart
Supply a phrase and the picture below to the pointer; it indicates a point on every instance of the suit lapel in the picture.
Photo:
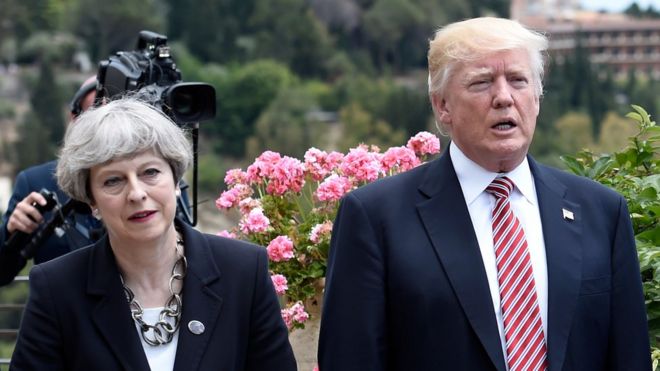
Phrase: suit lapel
(201, 300)
(111, 313)
(563, 248)
(448, 224)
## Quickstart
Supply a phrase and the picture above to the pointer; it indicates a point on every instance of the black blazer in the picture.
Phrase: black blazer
(35, 179)
(406, 288)
(77, 316)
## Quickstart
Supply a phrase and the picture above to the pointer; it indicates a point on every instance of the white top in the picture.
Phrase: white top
(473, 180)
(161, 357)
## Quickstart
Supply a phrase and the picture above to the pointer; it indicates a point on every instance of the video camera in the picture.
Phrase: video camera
(27, 244)
(151, 71)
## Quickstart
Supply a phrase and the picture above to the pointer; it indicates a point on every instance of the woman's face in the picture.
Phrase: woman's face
(136, 197)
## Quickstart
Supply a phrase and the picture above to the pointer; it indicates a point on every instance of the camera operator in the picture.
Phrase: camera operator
(148, 71)
(22, 213)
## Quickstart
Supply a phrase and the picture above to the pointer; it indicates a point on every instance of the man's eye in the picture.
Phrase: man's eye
(519, 81)
(479, 84)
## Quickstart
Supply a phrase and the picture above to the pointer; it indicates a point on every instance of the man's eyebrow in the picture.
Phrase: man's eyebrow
(477, 73)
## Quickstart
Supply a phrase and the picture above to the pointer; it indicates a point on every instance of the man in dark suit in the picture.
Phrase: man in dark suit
(484, 259)
(23, 216)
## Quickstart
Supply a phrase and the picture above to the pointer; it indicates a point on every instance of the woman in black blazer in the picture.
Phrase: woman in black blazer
(154, 293)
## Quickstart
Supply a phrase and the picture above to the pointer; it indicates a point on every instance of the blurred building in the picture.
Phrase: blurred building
(618, 41)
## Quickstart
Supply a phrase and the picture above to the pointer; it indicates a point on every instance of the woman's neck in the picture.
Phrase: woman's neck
(146, 267)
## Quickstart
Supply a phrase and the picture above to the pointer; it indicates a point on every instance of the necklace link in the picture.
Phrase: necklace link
(162, 331)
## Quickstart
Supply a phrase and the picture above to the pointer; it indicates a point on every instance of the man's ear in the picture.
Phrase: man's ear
(441, 109)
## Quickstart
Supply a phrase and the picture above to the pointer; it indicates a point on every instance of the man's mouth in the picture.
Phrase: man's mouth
(504, 125)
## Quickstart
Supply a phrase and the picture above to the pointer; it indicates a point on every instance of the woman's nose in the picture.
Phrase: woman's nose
(136, 191)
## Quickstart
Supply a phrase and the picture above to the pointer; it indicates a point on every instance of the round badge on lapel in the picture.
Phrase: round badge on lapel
(196, 327)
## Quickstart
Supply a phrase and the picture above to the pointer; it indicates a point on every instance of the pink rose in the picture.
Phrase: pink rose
(254, 222)
(320, 163)
(235, 176)
(227, 234)
(333, 188)
(262, 167)
(295, 313)
(424, 143)
(320, 231)
(280, 249)
(399, 159)
(361, 165)
(248, 204)
(279, 281)
(287, 174)
(233, 196)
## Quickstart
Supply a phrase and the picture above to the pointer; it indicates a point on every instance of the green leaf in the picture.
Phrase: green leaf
(601, 165)
(652, 236)
(573, 165)
(635, 116)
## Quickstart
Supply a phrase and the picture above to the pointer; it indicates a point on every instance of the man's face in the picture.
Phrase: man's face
(490, 108)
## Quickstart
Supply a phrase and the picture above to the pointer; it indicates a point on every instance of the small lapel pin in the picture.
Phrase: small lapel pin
(196, 327)
(568, 215)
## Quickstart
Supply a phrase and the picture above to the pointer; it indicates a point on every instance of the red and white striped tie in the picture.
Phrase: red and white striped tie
(523, 330)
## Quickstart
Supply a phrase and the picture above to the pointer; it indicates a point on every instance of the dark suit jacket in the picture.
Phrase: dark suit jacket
(77, 316)
(406, 288)
(35, 179)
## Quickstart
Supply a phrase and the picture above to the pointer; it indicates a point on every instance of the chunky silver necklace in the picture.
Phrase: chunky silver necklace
(162, 331)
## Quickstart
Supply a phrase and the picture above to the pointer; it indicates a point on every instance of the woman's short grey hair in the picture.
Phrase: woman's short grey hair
(116, 130)
(476, 38)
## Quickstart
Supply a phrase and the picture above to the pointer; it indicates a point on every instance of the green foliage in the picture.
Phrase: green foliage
(635, 173)
(284, 126)
(636, 11)
(361, 127)
(573, 132)
(288, 31)
(241, 97)
(47, 103)
(7, 110)
(49, 48)
(33, 145)
(211, 172)
(111, 26)
(402, 106)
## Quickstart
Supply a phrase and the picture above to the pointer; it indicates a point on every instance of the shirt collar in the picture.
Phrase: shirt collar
(474, 179)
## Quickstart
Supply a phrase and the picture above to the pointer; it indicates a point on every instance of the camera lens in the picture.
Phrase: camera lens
(183, 103)
(190, 102)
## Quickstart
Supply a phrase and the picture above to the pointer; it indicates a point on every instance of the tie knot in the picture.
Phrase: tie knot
(500, 187)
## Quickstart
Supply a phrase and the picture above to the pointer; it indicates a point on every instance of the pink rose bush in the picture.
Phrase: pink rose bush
(289, 205)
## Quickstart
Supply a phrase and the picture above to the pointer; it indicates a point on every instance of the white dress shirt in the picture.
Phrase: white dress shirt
(161, 357)
(473, 180)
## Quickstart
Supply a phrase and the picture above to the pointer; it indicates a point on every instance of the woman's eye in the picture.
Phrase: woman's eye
(151, 172)
(111, 182)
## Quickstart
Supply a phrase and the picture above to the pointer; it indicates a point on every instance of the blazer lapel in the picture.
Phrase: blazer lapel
(448, 224)
(201, 300)
(563, 249)
(111, 313)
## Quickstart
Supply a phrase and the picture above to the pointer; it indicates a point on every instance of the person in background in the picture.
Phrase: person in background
(153, 293)
(484, 259)
(22, 214)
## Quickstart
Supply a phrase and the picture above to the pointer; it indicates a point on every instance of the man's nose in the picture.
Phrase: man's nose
(502, 96)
